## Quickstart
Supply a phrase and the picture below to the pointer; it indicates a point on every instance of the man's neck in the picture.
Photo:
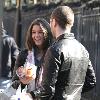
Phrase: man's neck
(60, 31)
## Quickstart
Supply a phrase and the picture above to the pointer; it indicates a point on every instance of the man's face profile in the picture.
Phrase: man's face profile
(52, 25)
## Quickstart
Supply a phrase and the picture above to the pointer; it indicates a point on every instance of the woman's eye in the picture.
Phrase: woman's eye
(41, 32)
(33, 32)
(37, 32)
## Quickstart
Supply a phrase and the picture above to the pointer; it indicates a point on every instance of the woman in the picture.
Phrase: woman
(37, 41)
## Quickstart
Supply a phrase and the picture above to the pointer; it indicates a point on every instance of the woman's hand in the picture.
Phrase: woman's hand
(25, 80)
(29, 76)
(26, 74)
(20, 71)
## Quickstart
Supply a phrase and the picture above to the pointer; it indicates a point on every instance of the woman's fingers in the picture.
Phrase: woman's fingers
(25, 80)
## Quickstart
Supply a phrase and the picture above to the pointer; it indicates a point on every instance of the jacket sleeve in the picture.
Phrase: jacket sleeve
(19, 62)
(90, 79)
(49, 76)
(14, 53)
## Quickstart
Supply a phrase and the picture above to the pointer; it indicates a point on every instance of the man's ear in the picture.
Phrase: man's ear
(54, 22)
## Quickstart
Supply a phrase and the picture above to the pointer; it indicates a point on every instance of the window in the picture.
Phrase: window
(7, 3)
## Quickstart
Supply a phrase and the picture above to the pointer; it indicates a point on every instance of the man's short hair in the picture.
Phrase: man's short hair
(63, 15)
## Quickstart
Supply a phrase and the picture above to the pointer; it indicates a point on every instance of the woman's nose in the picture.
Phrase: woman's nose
(36, 34)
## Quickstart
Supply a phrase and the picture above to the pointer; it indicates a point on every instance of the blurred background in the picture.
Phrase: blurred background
(18, 14)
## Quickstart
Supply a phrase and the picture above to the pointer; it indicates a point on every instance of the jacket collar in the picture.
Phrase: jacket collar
(66, 35)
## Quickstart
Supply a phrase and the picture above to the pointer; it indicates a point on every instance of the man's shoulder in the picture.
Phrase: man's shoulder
(8, 40)
(8, 37)
(5, 36)
(53, 49)
(57, 45)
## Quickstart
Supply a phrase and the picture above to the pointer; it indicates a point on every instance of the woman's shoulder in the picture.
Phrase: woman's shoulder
(23, 51)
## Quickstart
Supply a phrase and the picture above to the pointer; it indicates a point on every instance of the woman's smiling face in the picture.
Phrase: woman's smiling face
(38, 35)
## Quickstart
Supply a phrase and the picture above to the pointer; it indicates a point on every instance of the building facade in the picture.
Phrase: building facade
(8, 4)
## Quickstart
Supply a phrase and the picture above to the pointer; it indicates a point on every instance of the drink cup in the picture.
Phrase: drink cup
(31, 71)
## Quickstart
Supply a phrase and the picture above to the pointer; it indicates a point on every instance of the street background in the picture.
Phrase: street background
(86, 26)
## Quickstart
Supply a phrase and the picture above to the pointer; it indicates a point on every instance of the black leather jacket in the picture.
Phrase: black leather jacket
(65, 67)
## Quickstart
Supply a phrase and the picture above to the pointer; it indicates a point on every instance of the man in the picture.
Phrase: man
(9, 54)
(66, 61)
